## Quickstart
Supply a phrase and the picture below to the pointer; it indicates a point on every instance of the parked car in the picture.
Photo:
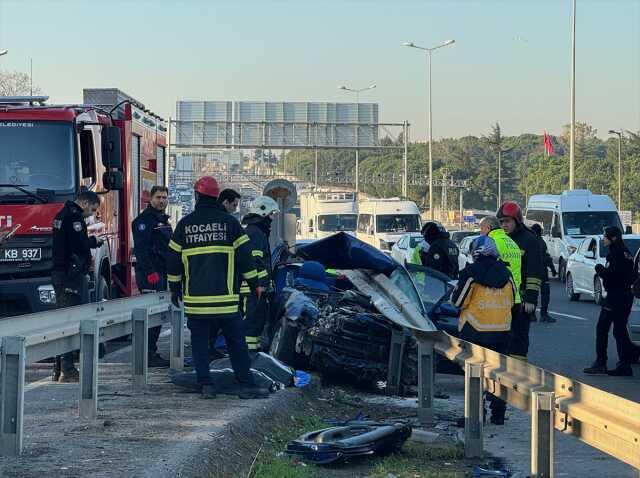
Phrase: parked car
(403, 249)
(458, 236)
(581, 274)
(465, 256)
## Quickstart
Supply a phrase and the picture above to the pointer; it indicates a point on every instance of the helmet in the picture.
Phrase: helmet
(510, 209)
(432, 231)
(484, 246)
(263, 206)
(207, 186)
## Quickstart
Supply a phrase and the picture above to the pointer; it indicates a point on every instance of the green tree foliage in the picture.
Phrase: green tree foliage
(525, 168)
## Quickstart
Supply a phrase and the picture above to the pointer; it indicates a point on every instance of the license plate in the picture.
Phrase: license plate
(21, 254)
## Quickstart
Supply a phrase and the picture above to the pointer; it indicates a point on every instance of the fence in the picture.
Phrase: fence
(29, 338)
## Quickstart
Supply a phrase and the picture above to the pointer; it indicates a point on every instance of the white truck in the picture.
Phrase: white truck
(567, 218)
(382, 222)
(323, 213)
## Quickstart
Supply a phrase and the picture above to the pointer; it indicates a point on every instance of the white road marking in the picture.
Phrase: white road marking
(569, 315)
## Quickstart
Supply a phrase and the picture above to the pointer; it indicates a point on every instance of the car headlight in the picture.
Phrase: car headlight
(47, 294)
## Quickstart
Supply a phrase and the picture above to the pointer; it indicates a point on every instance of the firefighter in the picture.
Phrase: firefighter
(512, 222)
(617, 278)
(151, 235)
(71, 263)
(485, 294)
(438, 251)
(547, 263)
(257, 225)
(209, 254)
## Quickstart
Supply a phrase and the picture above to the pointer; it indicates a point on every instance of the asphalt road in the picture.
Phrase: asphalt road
(567, 346)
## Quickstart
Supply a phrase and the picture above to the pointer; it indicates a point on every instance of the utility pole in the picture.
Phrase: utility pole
(572, 137)
(619, 134)
(405, 169)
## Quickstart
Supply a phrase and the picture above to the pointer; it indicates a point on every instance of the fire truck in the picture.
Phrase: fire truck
(110, 144)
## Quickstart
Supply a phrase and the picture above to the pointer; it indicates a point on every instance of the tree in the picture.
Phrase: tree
(15, 83)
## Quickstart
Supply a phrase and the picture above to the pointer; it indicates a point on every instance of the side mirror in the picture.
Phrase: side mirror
(628, 230)
(113, 180)
(111, 153)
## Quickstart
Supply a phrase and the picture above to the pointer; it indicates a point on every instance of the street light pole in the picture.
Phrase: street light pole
(357, 92)
(572, 137)
(430, 117)
(619, 133)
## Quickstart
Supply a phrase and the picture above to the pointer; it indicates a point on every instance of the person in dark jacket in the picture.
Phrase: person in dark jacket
(547, 264)
(151, 235)
(209, 256)
(230, 200)
(257, 225)
(512, 222)
(71, 263)
(617, 278)
(442, 253)
(485, 295)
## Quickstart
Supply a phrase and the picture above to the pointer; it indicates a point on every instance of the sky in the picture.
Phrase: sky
(511, 61)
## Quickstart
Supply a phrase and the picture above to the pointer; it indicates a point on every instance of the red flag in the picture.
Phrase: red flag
(548, 146)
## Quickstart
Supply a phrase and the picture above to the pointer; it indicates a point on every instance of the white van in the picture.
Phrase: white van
(568, 218)
(382, 222)
(323, 213)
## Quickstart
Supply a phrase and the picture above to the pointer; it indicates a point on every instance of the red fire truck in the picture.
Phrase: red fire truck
(110, 144)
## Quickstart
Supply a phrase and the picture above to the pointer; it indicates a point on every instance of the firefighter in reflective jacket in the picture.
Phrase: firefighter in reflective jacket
(485, 294)
(257, 225)
(209, 256)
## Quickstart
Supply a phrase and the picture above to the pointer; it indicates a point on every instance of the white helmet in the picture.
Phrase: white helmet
(263, 206)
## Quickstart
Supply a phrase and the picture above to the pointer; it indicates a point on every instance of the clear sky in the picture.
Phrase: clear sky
(510, 62)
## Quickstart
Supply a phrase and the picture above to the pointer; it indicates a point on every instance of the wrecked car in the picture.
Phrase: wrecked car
(339, 303)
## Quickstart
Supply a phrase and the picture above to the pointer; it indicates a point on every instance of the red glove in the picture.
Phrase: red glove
(153, 278)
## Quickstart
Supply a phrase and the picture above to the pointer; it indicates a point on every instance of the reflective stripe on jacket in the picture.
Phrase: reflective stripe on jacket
(486, 309)
(511, 255)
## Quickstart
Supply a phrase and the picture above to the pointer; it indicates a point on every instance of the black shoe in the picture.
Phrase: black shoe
(547, 318)
(249, 393)
(209, 392)
(621, 370)
(69, 376)
(596, 369)
(155, 360)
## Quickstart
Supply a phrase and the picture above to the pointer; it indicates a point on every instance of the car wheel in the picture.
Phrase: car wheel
(283, 344)
(571, 295)
(597, 291)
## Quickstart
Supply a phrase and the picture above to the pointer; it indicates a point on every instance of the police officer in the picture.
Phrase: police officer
(617, 278)
(512, 222)
(547, 263)
(257, 225)
(209, 255)
(71, 263)
(442, 253)
(151, 235)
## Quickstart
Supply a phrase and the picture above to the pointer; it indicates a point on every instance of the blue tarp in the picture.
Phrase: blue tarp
(342, 251)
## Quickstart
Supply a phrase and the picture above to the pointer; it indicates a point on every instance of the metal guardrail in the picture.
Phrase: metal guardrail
(598, 418)
(29, 338)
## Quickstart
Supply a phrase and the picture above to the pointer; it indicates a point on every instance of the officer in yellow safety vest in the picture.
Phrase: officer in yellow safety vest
(485, 294)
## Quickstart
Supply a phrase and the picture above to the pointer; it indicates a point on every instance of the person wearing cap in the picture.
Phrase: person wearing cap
(485, 294)
(547, 263)
(257, 226)
(512, 222)
(209, 255)
(437, 251)
(617, 278)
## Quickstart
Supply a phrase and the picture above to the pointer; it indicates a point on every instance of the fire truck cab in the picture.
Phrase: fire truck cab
(110, 144)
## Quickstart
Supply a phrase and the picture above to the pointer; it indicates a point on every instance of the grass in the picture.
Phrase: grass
(417, 460)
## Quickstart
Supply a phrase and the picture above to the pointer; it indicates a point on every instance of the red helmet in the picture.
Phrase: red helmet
(510, 209)
(207, 186)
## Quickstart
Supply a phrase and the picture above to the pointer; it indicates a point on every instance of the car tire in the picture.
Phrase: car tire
(597, 291)
(283, 344)
(571, 294)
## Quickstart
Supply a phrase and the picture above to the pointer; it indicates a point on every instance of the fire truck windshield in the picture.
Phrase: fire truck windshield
(36, 154)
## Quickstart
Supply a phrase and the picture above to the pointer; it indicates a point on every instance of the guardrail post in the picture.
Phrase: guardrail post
(12, 395)
(394, 372)
(139, 347)
(473, 410)
(176, 353)
(425, 381)
(542, 434)
(89, 344)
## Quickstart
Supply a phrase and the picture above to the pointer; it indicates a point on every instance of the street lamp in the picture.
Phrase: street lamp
(619, 133)
(429, 50)
(3, 52)
(572, 134)
(357, 92)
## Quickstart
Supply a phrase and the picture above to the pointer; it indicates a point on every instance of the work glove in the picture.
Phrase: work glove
(153, 278)
(176, 298)
(599, 269)
(529, 308)
(259, 292)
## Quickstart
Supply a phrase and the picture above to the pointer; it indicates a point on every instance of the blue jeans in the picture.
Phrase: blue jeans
(233, 331)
